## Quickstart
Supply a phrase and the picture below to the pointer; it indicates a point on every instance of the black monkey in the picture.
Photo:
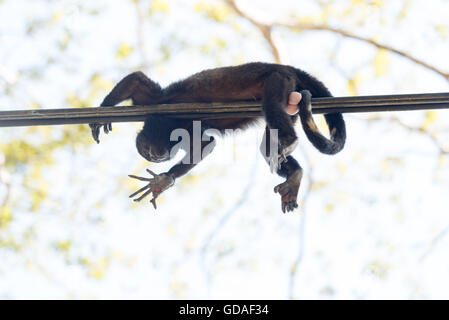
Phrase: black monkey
(271, 83)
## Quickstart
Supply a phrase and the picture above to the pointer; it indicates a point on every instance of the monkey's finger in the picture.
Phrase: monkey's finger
(288, 202)
(294, 205)
(140, 178)
(110, 126)
(96, 134)
(291, 206)
(282, 189)
(140, 190)
(151, 172)
(153, 201)
(106, 128)
(93, 129)
(97, 138)
(143, 195)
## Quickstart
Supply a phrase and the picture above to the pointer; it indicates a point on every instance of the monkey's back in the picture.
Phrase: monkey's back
(226, 84)
(235, 83)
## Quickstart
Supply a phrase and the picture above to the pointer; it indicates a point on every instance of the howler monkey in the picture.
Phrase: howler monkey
(271, 83)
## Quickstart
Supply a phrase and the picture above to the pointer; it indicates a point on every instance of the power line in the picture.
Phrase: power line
(218, 110)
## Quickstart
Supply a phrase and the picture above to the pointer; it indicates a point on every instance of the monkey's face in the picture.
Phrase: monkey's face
(153, 142)
(158, 153)
(151, 149)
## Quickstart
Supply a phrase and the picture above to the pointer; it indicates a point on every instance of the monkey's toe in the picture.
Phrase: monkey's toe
(107, 127)
(289, 203)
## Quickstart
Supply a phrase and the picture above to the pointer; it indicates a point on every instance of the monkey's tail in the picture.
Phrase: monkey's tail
(335, 122)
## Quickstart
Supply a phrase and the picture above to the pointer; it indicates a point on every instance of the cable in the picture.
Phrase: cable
(218, 110)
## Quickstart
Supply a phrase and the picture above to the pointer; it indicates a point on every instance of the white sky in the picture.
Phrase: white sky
(369, 229)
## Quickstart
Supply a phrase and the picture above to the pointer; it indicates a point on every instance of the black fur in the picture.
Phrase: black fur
(271, 83)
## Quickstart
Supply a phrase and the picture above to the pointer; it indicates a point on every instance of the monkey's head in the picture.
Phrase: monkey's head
(153, 142)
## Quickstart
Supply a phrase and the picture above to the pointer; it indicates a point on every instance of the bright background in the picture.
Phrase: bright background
(373, 220)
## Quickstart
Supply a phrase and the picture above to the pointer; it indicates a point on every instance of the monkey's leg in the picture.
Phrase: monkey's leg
(163, 181)
(289, 169)
(277, 89)
(135, 86)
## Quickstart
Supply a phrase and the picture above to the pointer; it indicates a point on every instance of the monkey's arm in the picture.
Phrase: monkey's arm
(135, 86)
(163, 181)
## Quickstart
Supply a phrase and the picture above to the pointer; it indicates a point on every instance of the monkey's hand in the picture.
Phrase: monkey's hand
(289, 191)
(95, 127)
(156, 185)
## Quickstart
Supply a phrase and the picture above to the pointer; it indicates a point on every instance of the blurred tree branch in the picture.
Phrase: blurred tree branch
(140, 35)
(347, 34)
(228, 214)
(266, 29)
(441, 235)
(302, 229)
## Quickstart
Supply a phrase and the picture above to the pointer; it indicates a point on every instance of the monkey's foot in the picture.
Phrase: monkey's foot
(95, 127)
(156, 185)
(289, 191)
